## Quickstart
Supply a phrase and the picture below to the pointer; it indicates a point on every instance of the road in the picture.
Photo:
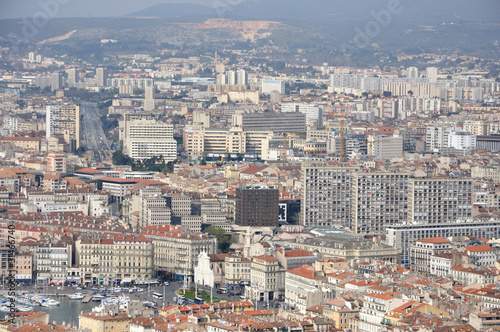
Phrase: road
(93, 135)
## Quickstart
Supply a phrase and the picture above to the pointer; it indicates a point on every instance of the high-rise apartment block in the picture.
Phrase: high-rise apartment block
(101, 77)
(72, 76)
(242, 77)
(439, 200)
(258, 206)
(64, 120)
(378, 199)
(438, 137)
(326, 195)
(149, 96)
(147, 138)
(369, 201)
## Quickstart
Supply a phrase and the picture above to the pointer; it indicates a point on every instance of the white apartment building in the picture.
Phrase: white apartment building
(438, 137)
(191, 223)
(267, 279)
(64, 120)
(121, 259)
(441, 263)
(375, 306)
(328, 136)
(481, 256)
(383, 147)
(52, 262)
(179, 204)
(221, 142)
(423, 250)
(269, 86)
(490, 172)
(176, 252)
(271, 121)
(147, 138)
(461, 140)
(468, 275)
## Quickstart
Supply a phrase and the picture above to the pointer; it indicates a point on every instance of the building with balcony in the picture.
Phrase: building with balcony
(176, 252)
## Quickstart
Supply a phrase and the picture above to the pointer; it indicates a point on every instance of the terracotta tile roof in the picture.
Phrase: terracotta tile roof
(89, 171)
(306, 271)
(479, 248)
(434, 240)
(266, 258)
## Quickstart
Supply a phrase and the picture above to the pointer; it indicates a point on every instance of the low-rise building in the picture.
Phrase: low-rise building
(267, 279)
(468, 275)
(237, 270)
(421, 252)
(100, 322)
(306, 283)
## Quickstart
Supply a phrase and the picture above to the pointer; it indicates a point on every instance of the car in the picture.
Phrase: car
(166, 283)
(59, 288)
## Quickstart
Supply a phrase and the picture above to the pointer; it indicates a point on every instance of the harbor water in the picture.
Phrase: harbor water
(66, 312)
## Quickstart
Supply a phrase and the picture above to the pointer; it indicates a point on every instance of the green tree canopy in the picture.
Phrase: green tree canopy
(223, 240)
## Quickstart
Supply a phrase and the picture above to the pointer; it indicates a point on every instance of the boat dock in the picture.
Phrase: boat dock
(87, 299)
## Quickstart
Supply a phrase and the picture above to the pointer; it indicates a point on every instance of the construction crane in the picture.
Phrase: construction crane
(341, 115)
(285, 134)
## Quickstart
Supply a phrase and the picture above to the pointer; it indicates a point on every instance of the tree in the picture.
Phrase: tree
(119, 158)
(410, 93)
(223, 240)
(387, 94)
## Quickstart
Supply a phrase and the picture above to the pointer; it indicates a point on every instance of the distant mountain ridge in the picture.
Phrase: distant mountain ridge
(421, 11)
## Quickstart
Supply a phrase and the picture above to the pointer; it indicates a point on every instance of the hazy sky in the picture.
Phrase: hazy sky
(476, 9)
(83, 8)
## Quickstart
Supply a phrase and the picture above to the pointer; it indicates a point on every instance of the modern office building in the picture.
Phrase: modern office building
(383, 147)
(269, 86)
(271, 121)
(257, 206)
(222, 142)
(147, 137)
(314, 113)
(64, 120)
(405, 235)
